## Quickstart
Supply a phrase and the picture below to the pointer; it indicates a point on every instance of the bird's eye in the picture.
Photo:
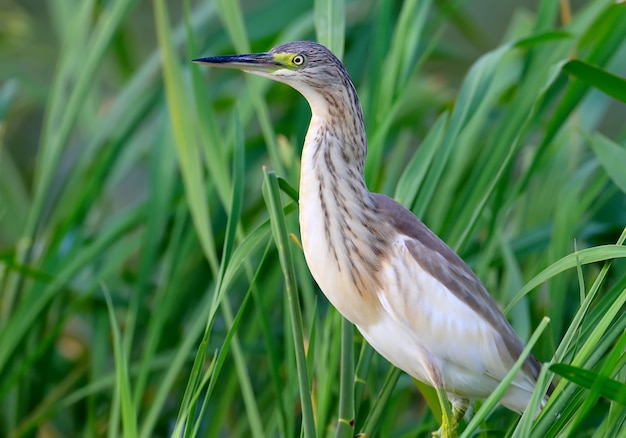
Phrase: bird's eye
(298, 60)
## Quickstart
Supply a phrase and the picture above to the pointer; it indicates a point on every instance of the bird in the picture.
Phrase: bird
(414, 300)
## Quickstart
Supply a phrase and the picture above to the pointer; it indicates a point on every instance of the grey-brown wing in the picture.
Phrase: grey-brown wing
(437, 258)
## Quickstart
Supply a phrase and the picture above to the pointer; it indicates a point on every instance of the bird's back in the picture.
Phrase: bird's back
(436, 299)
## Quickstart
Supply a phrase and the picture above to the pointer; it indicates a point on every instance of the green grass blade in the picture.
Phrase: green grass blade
(272, 196)
(345, 423)
(378, 409)
(250, 401)
(63, 110)
(585, 256)
(473, 93)
(179, 105)
(604, 81)
(609, 388)
(330, 25)
(415, 172)
(231, 15)
(612, 156)
(121, 166)
(129, 416)
(401, 59)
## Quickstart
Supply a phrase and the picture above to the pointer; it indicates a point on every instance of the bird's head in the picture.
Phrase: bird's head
(308, 67)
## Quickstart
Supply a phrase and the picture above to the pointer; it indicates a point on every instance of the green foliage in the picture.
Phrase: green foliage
(151, 277)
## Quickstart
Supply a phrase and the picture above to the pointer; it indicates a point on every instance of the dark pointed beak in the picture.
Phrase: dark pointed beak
(255, 62)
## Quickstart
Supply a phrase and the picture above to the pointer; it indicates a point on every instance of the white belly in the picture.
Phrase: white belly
(402, 349)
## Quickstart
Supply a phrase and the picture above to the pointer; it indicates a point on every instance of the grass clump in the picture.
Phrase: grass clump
(151, 281)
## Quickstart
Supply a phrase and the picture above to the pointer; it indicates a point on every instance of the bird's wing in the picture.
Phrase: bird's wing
(441, 294)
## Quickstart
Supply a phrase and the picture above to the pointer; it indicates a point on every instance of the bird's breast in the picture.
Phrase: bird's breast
(334, 241)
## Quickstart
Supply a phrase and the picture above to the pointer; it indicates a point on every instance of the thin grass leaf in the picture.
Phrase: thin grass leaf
(63, 110)
(122, 387)
(215, 149)
(585, 256)
(236, 199)
(197, 377)
(473, 93)
(272, 196)
(413, 176)
(30, 309)
(232, 18)
(288, 189)
(330, 24)
(599, 43)
(382, 400)
(182, 127)
(578, 319)
(186, 418)
(218, 361)
(542, 38)
(524, 427)
(401, 58)
(612, 156)
(245, 384)
(360, 376)
(252, 409)
(246, 248)
(272, 353)
(607, 387)
(561, 407)
(345, 422)
(180, 359)
(604, 81)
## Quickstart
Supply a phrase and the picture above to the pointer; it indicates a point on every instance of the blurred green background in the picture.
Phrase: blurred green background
(141, 289)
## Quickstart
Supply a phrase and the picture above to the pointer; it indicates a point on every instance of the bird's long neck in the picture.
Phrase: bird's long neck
(335, 204)
(333, 157)
(335, 147)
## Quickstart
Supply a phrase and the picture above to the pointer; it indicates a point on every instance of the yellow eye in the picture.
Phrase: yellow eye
(298, 60)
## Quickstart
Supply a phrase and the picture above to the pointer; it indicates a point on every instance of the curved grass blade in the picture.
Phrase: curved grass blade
(604, 81)
(607, 387)
(613, 158)
(584, 256)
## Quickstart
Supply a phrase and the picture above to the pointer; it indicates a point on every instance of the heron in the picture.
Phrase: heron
(410, 295)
